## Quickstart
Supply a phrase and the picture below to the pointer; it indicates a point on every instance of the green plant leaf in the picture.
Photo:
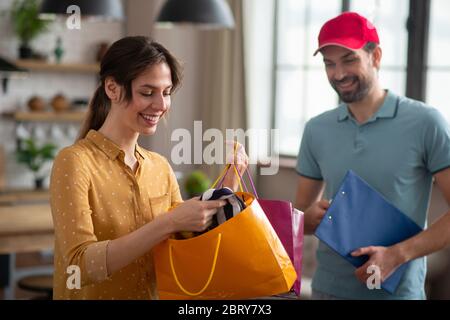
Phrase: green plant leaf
(25, 19)
(33, 156)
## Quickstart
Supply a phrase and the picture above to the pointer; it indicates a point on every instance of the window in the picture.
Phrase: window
(438, 71)
(390, 19)
(302, 90)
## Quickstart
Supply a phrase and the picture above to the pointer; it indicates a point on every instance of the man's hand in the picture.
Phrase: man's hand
(314, 214)
(387, 259)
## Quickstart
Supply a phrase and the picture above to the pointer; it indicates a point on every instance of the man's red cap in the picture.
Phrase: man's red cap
(348, 30)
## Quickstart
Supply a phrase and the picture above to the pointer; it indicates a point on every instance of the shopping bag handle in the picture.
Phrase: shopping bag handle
(238, 174)
(221, 177)
(249, 176)
(213, 268)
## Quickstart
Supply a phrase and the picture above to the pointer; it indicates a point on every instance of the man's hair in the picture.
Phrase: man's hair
(370, 47)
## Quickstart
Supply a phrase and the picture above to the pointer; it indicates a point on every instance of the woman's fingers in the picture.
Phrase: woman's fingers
(214, 204)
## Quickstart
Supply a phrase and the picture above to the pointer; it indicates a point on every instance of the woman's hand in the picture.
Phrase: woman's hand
(237, 157)
(194, 215)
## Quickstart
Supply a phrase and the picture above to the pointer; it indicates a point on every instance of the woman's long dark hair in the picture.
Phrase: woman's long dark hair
(124, 61)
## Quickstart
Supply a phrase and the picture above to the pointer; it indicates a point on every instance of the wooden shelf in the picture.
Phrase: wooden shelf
(47, 116)
(36, 65)
(14, 197)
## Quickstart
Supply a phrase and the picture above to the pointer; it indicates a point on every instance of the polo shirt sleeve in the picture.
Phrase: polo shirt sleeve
(307, 164)
(436, 142)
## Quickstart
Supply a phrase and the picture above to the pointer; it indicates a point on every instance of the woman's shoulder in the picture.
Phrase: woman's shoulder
(76, 151)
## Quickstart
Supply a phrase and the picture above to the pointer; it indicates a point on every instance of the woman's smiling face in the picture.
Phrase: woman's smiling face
(151, 98)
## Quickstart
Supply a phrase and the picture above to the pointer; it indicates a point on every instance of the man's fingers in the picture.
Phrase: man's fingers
(324, 204)
(363, 251)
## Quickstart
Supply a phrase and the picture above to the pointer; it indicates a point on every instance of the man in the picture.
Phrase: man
(394, 143)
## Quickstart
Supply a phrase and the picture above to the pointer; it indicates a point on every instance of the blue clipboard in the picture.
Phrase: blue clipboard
(359, 216)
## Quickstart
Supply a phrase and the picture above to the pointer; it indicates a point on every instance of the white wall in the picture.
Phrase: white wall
(185, 44)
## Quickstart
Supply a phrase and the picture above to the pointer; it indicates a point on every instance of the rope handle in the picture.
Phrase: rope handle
(225, 171)
(216, 253)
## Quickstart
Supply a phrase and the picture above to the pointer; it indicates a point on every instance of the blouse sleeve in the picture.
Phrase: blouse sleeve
(74, 231)
(175, 194)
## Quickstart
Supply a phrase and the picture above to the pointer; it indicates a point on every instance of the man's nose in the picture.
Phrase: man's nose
(340, 73)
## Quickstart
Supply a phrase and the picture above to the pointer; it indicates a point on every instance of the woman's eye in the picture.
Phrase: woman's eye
(147, 94)
(167, 93)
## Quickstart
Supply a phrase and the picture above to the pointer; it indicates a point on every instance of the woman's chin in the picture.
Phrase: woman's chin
(148, 131)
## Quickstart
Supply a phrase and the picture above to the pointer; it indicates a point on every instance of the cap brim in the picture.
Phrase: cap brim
(353, 47)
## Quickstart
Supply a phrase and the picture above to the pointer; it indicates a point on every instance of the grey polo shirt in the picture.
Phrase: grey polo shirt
(397, 152)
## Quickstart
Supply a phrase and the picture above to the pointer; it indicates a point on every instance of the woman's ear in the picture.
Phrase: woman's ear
(113, 89)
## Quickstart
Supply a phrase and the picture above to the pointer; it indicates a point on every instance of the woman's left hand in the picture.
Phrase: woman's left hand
(237, 157)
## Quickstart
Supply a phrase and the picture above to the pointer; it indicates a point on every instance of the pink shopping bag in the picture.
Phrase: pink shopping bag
(288, 224)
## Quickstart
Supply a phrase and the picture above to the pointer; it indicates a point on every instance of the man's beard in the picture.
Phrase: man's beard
(359, 93)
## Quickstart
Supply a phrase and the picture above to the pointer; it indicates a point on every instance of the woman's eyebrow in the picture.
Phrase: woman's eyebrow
(153, 87)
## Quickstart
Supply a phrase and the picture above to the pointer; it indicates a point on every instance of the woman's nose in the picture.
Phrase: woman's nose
(159, 103)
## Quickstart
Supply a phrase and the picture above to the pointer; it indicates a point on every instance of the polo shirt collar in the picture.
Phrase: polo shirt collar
(387, 110)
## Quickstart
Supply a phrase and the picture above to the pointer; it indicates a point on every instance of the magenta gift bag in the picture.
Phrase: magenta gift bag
(288, 224)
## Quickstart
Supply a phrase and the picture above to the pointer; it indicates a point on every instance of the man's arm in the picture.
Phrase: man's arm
(309, 192)
(433, 239)
(437, 236)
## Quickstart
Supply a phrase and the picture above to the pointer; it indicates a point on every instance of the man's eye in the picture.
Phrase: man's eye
(147, 94)
(349, 60)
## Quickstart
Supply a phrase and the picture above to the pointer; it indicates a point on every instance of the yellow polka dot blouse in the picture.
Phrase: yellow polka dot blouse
(95, 198)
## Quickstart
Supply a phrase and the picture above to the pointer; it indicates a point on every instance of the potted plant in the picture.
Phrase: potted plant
(26, 24)
(34, 157)
(196, 183)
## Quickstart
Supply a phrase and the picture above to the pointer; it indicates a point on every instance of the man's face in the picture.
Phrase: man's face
(351, 73)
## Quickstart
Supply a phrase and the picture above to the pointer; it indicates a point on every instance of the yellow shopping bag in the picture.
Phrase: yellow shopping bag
(241, 258)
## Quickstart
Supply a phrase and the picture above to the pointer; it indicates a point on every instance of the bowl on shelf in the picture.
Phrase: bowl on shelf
(60, 103)
(36, 103)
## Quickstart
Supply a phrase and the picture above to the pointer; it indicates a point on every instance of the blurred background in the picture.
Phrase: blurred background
(253, 68)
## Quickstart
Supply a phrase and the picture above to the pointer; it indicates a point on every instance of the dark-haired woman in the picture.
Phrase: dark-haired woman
(109, 196)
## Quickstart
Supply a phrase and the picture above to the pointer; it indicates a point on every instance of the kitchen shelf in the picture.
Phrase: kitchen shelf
(36, 65)
(47, 116)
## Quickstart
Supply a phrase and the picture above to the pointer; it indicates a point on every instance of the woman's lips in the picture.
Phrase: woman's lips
(150, 120)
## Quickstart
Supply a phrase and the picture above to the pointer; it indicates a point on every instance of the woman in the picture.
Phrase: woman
(109, 196)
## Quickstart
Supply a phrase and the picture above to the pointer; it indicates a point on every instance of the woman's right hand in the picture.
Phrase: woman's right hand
(314, 215)
(194, 215)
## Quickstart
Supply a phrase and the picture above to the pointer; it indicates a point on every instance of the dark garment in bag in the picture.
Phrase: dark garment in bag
(358, 217)
(233, 206)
